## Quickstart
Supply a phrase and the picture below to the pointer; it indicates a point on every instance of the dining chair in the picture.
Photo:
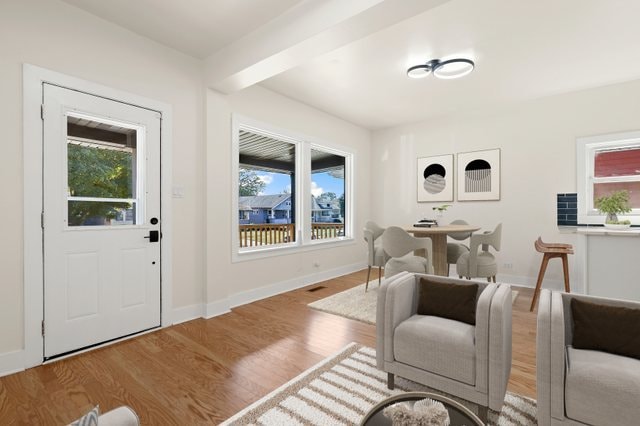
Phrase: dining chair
(479, 263)
(375, 253)
(455, 250)
(399, 246)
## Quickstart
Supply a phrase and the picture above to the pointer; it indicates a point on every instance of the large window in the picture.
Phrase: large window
(606, 164)
(289, 191)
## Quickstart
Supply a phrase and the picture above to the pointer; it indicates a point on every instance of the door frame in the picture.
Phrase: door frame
(33, 93)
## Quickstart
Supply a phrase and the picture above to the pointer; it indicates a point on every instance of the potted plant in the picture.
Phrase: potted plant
(613, 204)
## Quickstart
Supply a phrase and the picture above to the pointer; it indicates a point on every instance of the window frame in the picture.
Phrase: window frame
(304, 144)
(586, 149)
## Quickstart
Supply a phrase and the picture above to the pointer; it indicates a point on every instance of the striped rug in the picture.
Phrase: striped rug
(341, 389)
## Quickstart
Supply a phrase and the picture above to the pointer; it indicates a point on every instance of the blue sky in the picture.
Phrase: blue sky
(320, 183)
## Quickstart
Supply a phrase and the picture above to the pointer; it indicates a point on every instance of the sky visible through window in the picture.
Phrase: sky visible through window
(278, 183)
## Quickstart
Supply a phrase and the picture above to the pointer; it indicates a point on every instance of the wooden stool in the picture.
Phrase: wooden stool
(550, 251)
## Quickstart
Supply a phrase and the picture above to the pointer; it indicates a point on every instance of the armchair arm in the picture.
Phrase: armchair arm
(558, 351)
(482, 337)
(369, 238)
(380, 314)
(543, 358)
(499, 345)
(400, 304)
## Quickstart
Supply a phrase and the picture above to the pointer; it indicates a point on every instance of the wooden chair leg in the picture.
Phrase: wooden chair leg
(488, 279)
(543, 269)
(366, 286)
(379, 275)
(494, 279)
(390, 381)
(565, 267)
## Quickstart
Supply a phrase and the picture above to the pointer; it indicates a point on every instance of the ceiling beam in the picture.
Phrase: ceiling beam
(307, 30)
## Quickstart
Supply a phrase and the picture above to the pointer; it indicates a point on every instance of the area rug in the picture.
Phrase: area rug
(356, 304)
(341, 389)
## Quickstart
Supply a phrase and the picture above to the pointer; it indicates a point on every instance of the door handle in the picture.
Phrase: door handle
(154, 236)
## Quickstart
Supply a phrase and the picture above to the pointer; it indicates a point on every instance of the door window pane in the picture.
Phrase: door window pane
(328, 207)
(101, 173)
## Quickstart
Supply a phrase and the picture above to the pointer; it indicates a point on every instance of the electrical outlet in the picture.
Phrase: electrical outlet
(316, 264)
(508, 266)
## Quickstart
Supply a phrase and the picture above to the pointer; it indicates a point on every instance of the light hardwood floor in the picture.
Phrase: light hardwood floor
(204, 371)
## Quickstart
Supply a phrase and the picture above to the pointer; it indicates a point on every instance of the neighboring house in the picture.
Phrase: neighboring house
(325, 210)
(258, 209)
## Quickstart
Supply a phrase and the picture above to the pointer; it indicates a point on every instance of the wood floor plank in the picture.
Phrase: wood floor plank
(204, 371)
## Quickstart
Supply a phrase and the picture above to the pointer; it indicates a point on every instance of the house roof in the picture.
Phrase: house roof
(263, 201)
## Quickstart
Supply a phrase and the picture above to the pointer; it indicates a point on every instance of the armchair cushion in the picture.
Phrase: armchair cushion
(438, 345)
(452, 301)
(601, 388)
(613, 329)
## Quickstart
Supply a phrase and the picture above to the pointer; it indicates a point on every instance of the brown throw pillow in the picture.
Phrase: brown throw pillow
(452, 301)
(604, 328)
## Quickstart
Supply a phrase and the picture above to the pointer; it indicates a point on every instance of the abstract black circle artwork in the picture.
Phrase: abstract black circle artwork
(435, 178)
(479, 175)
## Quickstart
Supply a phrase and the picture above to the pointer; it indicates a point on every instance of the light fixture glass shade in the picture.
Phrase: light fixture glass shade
(419, 71)
(453, 68)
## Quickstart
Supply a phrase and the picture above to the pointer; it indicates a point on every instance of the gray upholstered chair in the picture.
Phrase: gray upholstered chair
(455, 250)
(472, 362)
(375, 253)
(481, 263)
(399, 246)
(577, 386)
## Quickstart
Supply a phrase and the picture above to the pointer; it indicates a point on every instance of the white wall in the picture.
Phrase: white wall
(537, 142)
(54, 35)
(242, 280)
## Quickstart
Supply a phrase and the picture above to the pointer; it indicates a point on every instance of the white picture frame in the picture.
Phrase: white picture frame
(478, 175)
(435, 178)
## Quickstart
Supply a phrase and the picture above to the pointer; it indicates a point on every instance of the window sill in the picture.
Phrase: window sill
(266, 252)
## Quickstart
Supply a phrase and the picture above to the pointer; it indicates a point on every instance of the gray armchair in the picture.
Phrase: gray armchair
(480, 263)
(577, 386)
(399, 247)
(471, 362)
(375, 253)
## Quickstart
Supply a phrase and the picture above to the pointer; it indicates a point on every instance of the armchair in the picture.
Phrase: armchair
(375, 253)
(578, 386)
(398, 246)
(480, 263)
(472, 362)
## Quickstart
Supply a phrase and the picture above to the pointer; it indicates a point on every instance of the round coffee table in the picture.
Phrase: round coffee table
(459, 415)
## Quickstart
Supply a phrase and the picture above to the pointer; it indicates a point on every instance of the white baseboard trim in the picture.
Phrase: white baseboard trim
(245, 297)
(187, 313)
(219, 307)
(11, 362)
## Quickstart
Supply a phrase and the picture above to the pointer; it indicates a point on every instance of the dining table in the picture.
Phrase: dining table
(438, 235)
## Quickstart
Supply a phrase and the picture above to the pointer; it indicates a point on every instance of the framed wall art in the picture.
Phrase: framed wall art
(479, 175)
(435, 178)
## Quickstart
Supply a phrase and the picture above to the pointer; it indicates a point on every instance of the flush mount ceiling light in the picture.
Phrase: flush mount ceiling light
(451, 68)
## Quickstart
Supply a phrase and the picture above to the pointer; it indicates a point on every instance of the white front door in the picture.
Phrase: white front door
(101, 219)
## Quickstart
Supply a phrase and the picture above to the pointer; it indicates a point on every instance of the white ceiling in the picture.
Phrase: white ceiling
(196, 27)
(523, 49)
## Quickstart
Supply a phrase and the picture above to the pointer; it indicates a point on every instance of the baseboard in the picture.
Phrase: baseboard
(520, 280)
(11, 362)
(219, 307)
(187, 313)
(245, 297)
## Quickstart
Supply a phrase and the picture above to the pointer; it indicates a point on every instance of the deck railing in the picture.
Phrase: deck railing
(272, 233)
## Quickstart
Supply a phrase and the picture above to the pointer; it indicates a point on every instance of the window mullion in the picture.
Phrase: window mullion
(303, 170)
